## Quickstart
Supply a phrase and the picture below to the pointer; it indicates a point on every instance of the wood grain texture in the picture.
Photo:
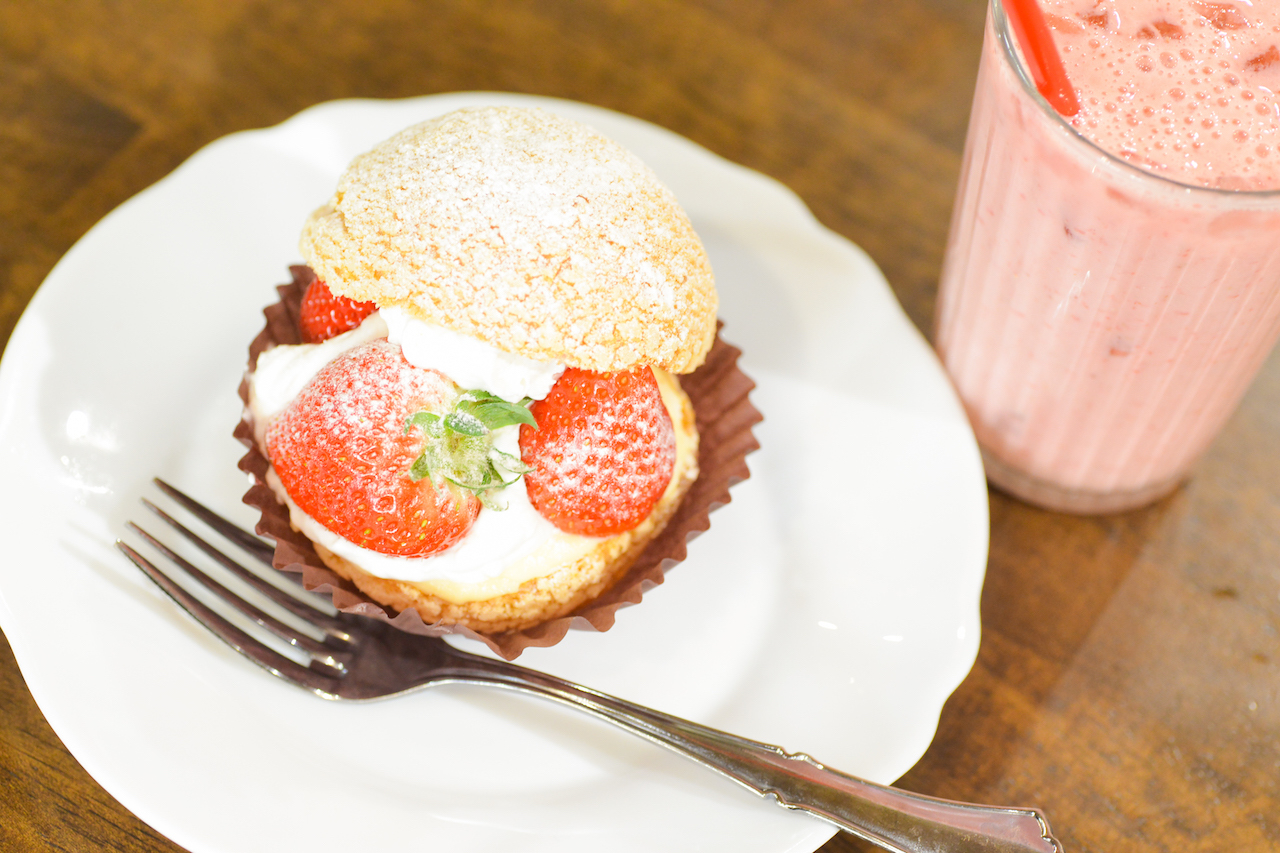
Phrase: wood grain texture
(1128, 679)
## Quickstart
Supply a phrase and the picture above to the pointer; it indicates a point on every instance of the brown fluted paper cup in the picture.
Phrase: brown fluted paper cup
(719, 393)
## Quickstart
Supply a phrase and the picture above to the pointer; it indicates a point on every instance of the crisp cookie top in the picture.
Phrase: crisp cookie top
(526, 230)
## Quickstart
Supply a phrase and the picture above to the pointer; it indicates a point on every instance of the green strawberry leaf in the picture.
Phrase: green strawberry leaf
(458, 446)
(496, 413)
(466, 424)
(429, 421)
(421, 469)
(476, 395)
(509, 463)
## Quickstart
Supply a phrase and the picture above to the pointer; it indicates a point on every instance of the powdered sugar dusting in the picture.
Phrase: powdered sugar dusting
(529, 231)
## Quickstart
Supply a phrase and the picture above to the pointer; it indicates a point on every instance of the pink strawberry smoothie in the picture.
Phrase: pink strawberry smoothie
(1185, 89)
(1112, 284)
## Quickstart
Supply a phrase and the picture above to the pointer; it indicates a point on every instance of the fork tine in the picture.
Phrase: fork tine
(301, 609)
(246, 540)
(319, 677)
(285, 632)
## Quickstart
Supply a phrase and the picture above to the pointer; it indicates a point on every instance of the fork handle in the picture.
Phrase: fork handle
(896, 820)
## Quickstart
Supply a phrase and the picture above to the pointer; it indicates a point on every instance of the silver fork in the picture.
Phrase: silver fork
(362, 659)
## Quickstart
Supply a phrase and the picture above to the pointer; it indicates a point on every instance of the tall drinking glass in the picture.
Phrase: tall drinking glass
(1100, 322)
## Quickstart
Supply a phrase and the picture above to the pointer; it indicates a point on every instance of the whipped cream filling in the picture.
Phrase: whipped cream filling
(468, 361)
(282, 372)
(516, 543)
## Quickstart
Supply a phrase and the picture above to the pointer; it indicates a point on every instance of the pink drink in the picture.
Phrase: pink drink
(1100, 319)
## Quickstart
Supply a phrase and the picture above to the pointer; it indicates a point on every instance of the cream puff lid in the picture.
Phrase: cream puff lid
(524, 229)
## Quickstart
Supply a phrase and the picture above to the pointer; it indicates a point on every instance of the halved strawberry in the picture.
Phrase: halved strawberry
(603, 451)
(324, 315)
(345, 456)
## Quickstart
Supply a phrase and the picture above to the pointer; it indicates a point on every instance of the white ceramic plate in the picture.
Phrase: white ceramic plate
(832, 608)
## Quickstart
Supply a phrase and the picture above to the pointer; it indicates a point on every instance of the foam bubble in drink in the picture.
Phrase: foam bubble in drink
(1187, 90)
(1112, 284)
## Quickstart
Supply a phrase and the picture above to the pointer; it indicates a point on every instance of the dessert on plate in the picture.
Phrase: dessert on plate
(482, 402)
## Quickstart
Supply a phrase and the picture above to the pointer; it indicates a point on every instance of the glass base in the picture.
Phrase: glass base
(1050, 496)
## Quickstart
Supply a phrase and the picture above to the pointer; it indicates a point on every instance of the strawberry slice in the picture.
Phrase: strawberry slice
(325, 315)
(345, 456)
(1264, 60)
(602, 453)
(1222, 16)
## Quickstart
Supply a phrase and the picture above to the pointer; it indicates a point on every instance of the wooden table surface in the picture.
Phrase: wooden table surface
(1128, 679)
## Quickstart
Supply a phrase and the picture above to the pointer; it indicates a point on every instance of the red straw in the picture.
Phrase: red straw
(1037, 45)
